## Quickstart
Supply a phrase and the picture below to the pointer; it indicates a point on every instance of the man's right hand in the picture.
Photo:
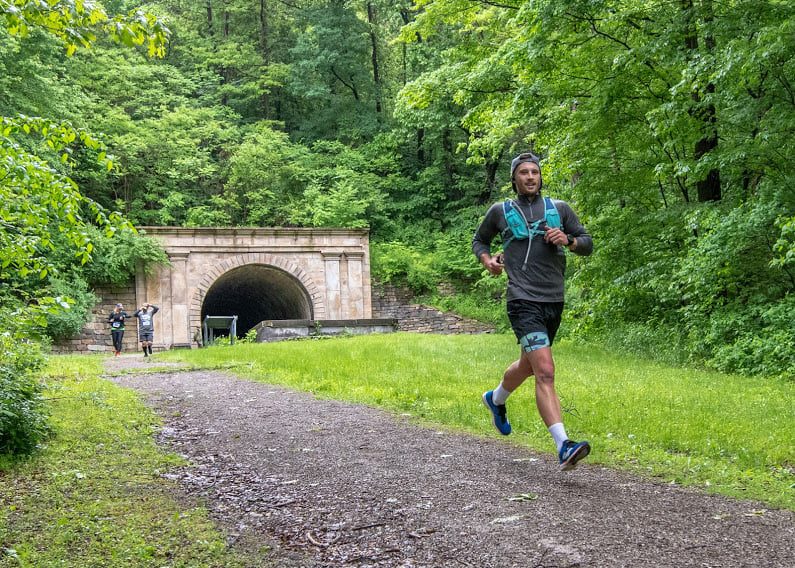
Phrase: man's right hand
(493, 264)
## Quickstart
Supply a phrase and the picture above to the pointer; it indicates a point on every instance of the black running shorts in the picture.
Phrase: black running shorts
(535, 324)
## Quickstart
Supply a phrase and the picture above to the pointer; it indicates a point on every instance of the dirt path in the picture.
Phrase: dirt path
(334, 484)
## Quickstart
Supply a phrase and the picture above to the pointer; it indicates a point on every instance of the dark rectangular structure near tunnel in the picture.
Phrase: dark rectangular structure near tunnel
(211, 323)
(277, 330)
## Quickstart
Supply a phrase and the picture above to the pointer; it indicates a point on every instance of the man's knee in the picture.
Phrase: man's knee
(545, 375)
(542, 365)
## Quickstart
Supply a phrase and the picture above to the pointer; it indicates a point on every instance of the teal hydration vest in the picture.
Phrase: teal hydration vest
(519, 228)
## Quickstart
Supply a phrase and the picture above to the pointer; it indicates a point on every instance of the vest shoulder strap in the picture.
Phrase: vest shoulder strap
(519, 228)
(551, 214)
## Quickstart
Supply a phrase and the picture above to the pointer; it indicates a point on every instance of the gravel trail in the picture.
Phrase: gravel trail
(334, 484)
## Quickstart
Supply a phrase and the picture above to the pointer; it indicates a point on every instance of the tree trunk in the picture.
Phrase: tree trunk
(407, 18)
(491, 166)
(264, 48)
(374, 45)
(449, 166)
(708, 188)
(225, 71)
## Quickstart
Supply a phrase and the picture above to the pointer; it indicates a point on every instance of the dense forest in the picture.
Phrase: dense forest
(669, 127)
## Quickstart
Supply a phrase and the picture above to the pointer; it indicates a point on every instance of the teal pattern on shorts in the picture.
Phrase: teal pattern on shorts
(534, 340)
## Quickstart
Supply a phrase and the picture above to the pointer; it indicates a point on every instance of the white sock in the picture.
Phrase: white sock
(558, 434)
(500, 395)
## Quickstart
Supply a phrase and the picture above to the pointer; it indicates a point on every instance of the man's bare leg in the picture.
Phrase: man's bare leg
(547, 401)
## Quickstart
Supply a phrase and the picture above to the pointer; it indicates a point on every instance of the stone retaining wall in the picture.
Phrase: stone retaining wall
(395, 302)
(390, 302)
(277, 330)
(95, 336)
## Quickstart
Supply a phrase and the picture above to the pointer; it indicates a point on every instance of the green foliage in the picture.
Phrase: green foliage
(475, 305)
(37, 202)
(66, 323)
(736, 324)
(116, 258)
(77, 23)
(29, 68)
(250, 337)
(213, 215)
(23, 413)
(331, 76)
(226, 340)
(453, 250)
(44, 219)
(345, 190)
(341, 206)
(397, 263)
(265, 179)
(164, 177)
(785, 245)
(694, 280)
(758, 342)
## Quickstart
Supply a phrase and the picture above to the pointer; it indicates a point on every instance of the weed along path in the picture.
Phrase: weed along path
(328, 484)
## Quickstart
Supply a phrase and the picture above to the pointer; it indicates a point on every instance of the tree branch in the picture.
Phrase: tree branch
(351, 86)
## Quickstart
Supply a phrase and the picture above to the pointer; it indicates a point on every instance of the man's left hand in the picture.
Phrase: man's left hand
(556, 237)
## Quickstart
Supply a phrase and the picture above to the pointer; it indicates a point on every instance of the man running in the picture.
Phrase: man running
(116, 321)
(146, 326)
(535, 232)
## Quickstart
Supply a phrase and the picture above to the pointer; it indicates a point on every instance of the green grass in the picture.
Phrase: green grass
(727, 434)
(94, 497)
(472, 306)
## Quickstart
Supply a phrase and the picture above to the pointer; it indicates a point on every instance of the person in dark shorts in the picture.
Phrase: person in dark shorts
(146, 326)
(116, 321)
(536, 231)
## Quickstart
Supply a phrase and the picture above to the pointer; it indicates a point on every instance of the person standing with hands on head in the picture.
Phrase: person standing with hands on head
(116, 321)
(146, 326)
(535, 231)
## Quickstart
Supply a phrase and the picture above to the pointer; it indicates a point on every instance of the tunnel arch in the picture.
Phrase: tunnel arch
(260, 287)
(257, 292)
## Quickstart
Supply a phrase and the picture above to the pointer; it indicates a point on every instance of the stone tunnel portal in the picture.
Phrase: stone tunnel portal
(254, 293)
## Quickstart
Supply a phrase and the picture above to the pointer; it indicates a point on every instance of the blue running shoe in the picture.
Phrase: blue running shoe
(572, 452)
(498, 414)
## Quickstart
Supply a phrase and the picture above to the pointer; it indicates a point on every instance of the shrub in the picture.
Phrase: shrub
(474, 306)
(23, 415)
(763, 342)
(115, 259)
(398, 263)
(69, 321)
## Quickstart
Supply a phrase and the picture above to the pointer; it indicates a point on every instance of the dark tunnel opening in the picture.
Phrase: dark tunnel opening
(255, 293)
